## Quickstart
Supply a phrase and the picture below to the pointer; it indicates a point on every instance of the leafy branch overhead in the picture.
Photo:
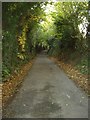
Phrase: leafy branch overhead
(57, 27)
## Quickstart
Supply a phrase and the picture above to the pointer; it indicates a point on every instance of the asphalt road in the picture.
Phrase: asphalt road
(47, 92)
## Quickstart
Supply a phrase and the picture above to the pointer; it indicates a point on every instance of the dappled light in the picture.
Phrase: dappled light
(45, 53)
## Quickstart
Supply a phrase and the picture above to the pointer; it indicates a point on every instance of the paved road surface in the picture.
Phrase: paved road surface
(47, 92)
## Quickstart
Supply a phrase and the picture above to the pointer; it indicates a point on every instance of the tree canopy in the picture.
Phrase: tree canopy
(56, 26)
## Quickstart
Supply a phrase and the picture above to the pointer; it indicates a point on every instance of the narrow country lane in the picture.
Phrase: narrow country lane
(47, 92)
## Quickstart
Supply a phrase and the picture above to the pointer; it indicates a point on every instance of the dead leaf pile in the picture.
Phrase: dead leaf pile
(10, 87)
(0, 96)
(74, 74)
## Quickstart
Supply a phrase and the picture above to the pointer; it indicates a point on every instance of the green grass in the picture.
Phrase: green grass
(80, 62)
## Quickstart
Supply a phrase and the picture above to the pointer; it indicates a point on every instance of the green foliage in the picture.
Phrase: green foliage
(69, 17)
(18, 21)
(83, 66)
(5, 71)
(27, 26)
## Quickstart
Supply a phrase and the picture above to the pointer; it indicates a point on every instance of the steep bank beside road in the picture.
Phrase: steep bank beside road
(11, 86)
(73, 73)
